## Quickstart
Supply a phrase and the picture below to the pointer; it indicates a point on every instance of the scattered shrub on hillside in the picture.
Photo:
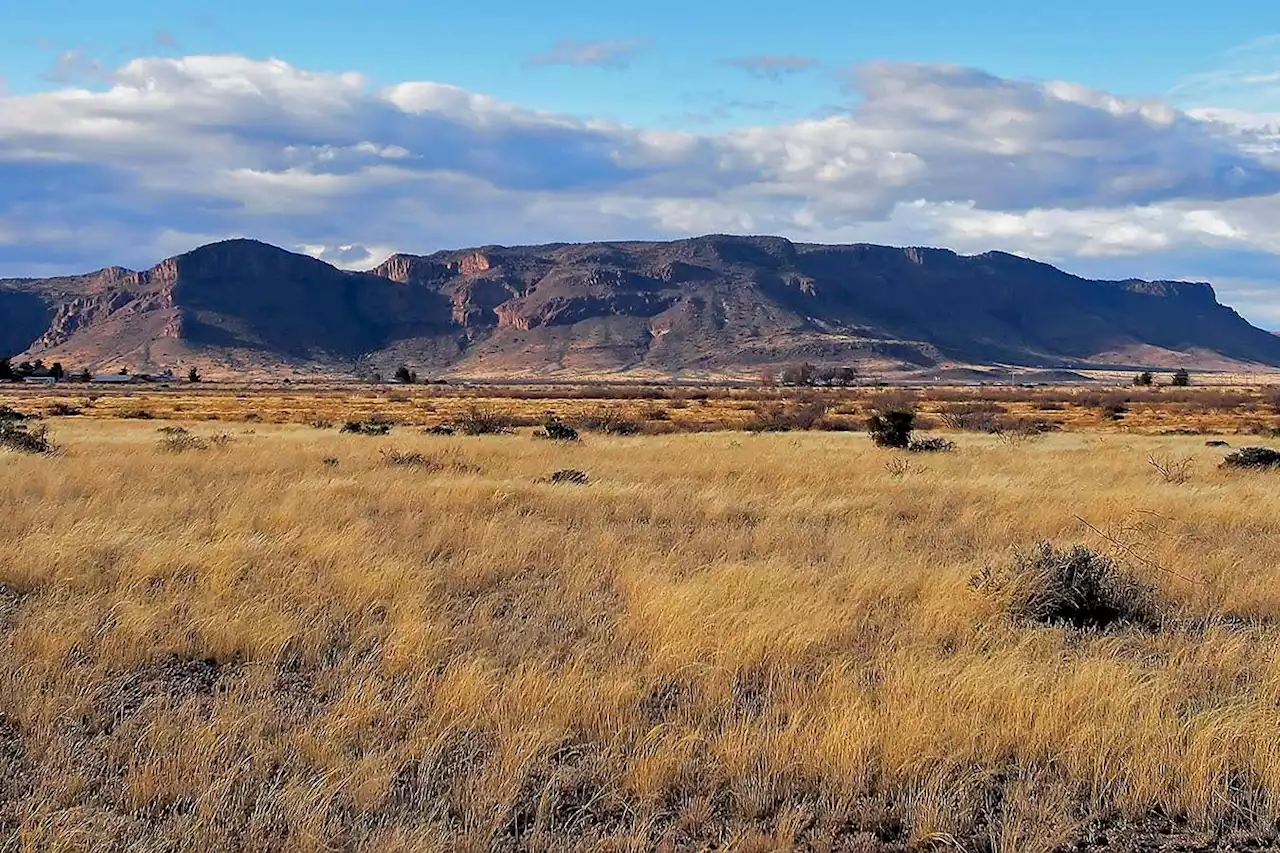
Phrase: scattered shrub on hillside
(63, 410)
(483, 420)
(892, 427)
(1257, 458)
(10, 414)
(330, 462)
(610, 421)
(1174, 471)
(18, 437)
(571, 476)
(555, 429)
(1078, 587)
(253, 418)
(137, 414)
(369, 427)
(933, 444)
(784, 417)
(1217, 443)
(441, 429)
(322, 423)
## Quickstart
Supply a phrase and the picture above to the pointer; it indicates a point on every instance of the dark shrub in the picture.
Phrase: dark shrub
(1079, 587)
(17, 437)
(483, 420)
(892, 427)
(1257, 458)
(63, 410)
(441, 429)
(1181, 378)
(8, 414)
(571, 476)
(370, 427)
(137, 414)
(556, 430)
(935, 444)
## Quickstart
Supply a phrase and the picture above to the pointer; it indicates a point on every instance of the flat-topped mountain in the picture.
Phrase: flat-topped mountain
(714, 305)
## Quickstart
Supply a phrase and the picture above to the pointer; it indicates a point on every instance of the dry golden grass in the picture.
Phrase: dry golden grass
(760, 642)
(1253, 409)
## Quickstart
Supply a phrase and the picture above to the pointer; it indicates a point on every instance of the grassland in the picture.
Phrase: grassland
(725, 640)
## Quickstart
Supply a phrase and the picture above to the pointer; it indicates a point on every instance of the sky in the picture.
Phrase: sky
(1112, 139)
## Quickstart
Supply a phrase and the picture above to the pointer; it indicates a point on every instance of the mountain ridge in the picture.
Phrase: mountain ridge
(709, 305)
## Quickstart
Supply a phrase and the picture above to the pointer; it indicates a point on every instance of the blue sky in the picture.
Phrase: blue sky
(1111, 138)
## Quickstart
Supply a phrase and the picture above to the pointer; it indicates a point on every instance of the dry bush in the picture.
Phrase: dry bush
(137, 414)
(63, 410)
(1078, 587)
(368, 427)
(608, 420)
(1176, 471)
(982, 416)
(484, 420)
(570, 476)
(932, 444)
(784, 417)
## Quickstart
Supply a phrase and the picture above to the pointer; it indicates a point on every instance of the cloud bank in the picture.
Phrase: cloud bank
(178, 151)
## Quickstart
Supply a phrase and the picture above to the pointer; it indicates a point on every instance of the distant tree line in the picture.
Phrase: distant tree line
(1181, 378)
(811, 375)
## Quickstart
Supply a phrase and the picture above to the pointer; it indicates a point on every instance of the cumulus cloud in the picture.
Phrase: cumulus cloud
(614, 53)
(176, 151)
(773, 67)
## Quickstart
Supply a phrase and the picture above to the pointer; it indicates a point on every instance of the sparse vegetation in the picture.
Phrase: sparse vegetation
(723, 642)
(1181, 378)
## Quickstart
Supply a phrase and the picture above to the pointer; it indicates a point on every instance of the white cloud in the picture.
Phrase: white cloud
(222, 145)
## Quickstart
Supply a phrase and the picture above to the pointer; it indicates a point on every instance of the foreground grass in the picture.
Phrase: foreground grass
(757, 642)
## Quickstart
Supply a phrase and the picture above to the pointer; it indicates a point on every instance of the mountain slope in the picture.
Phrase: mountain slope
(707, 305)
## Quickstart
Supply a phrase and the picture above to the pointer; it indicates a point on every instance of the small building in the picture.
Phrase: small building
(40, 380)
(113, 379)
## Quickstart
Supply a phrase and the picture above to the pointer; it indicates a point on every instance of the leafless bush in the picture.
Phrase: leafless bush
(484, 420)
(1171, 470)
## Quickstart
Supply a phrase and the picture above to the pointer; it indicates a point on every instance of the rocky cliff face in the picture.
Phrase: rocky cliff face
(708, 304)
